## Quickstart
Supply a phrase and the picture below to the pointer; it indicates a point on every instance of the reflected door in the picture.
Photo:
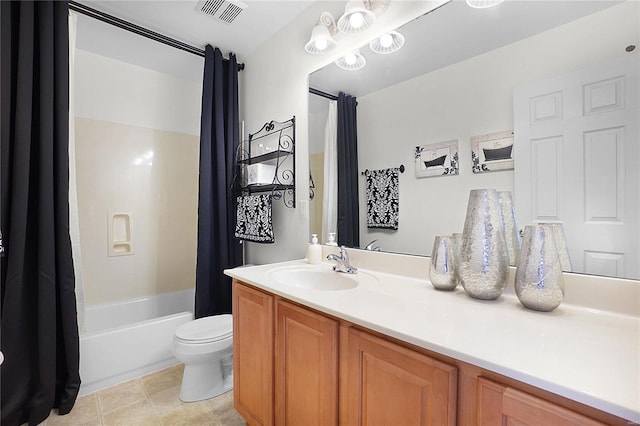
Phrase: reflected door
(577, 154)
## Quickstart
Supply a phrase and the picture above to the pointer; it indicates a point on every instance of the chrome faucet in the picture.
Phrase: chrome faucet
(342, 262)
(372, 246)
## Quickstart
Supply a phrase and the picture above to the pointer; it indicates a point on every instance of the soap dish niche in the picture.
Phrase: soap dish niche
(120, 233)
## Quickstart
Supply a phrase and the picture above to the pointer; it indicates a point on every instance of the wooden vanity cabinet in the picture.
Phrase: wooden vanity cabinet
(286, 363)
(253, 354)
(306, 367)
(498, 405)
(389, 384)
(296, 366)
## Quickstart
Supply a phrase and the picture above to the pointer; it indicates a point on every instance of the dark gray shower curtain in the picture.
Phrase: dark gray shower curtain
(39, 324)
(347, 150)
(218, 249)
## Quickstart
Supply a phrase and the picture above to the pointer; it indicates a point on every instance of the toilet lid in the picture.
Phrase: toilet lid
(207, 329)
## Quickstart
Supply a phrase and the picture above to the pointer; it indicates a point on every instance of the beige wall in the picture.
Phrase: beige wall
(114, 174)
(123, 114)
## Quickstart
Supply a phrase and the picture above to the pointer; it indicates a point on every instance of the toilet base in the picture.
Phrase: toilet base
(204, 381)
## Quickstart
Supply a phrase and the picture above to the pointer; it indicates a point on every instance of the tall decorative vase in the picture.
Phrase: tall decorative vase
(539, 283)
(457, 245)
(510, 226)
(483, 263)
(561, 244)
(443, 263)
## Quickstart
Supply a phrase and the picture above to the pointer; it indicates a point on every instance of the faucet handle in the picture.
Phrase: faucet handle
(343, 253)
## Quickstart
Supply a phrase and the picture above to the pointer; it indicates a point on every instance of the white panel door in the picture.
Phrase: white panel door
(577, 161)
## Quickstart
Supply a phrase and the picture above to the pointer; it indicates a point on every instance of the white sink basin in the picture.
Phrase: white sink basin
(318, 277)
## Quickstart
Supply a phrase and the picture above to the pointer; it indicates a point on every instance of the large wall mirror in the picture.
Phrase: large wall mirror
(466, 73)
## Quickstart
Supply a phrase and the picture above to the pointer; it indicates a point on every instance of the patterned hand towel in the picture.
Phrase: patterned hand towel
(382, 198)
(253, 218)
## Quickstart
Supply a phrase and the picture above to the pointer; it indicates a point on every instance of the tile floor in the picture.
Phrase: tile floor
(149, 400)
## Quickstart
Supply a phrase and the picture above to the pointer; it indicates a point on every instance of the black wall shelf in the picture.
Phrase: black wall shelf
(279, 140)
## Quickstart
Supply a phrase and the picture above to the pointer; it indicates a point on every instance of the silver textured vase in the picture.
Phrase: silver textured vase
(457, 245)
(511, 235)
(539, 283)
(442, 268)
(483, 263)
(561, 244)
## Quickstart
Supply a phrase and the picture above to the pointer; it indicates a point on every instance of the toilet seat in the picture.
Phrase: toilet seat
(206, 330)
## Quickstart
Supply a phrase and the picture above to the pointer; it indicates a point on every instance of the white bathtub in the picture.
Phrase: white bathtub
(125, 340)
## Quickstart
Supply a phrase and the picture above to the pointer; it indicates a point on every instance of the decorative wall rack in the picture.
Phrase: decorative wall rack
(267, 161)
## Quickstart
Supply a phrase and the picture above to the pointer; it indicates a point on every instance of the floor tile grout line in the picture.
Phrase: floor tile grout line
(148, 397)
(172, 373)
(100, 416)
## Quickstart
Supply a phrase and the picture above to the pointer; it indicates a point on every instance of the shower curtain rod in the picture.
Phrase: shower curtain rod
(136, 29)
(318, 92)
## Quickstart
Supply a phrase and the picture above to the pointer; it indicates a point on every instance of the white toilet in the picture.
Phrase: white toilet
(205, 346)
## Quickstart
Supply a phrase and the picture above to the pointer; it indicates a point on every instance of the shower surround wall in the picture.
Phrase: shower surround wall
(137, 133)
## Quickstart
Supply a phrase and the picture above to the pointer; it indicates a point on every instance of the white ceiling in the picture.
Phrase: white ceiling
(452, 33)
(180, 20)
(447, 35)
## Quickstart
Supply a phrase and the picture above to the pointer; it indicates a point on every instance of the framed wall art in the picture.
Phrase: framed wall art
(437, 159)
(493, 151)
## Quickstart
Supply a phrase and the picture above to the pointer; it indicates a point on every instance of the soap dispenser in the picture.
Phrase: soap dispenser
(314, 250)
(332, 239)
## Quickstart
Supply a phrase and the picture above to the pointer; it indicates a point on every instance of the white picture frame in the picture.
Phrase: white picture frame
(492, 152)
(437, 159)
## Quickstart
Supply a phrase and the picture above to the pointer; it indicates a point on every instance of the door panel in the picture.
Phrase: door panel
(577, 158)
(306, 367)
(253, 354)
(388, 384)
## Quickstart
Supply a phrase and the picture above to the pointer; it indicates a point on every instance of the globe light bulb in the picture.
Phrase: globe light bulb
(350, 58)
(386, 40)
(321, 43)
(356, 20)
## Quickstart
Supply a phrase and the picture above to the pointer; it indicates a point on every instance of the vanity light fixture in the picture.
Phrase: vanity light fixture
(357, 17)
(322, 35)
(352, 61)
(387, 43)
(483, 4)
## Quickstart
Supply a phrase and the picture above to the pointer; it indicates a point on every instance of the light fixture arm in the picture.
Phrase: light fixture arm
(377, 6)
(327, 20)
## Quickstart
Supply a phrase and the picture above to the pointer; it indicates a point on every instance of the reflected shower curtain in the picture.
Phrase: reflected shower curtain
(218, 249)
(330, 190)
(39, 325)
(74, 221)
(348, 210)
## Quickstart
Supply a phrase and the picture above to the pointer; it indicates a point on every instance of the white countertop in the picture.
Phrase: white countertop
(590, 356)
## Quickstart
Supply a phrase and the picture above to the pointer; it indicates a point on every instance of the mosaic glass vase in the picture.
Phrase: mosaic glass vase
(483, 263)
(539, 282)
(511, 235)
(561, 244)
(442, 268)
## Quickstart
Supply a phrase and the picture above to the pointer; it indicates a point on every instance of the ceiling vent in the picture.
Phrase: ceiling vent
(223, 10)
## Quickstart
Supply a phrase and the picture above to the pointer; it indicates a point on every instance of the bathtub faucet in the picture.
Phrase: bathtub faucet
(342, 262)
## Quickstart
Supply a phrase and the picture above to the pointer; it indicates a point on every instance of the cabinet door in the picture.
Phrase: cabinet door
(253, 354)
(501, 405)
(306, 367)
(388, 384)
